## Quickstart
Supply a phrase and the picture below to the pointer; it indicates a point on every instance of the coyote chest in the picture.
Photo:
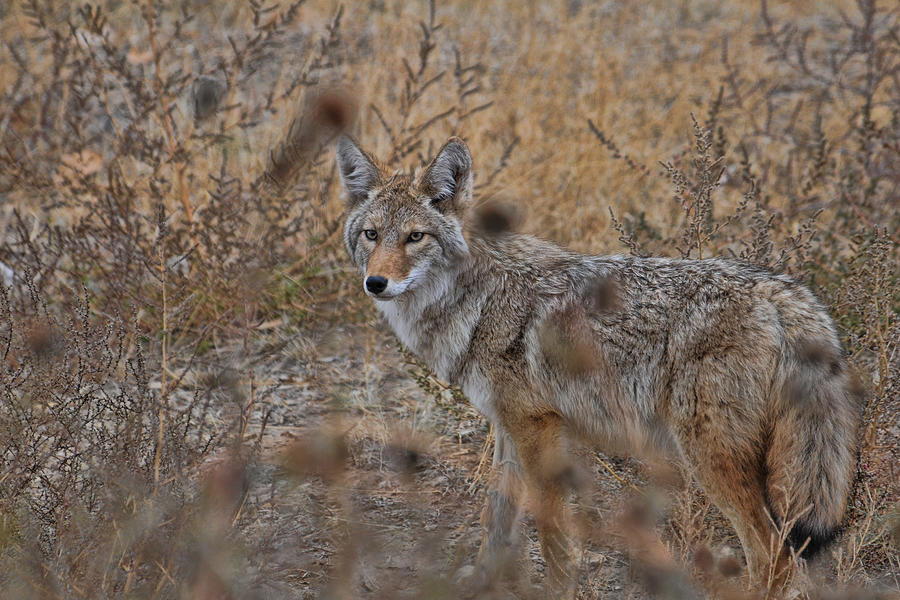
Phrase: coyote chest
(437, 322)
(442, 348)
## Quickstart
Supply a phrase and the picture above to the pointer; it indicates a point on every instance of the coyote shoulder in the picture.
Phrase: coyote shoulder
(738, 370)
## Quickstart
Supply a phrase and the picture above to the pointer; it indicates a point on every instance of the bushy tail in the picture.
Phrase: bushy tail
(812, 451)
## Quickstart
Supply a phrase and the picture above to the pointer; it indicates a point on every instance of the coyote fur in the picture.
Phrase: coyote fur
(736, 369)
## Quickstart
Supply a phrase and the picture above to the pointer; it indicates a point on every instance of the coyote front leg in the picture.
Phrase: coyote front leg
(540, 444)
(502, 509)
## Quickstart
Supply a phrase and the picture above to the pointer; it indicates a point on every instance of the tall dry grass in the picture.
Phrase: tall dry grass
(169, 199)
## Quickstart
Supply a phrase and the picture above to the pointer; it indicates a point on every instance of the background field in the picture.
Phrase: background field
(197, 399)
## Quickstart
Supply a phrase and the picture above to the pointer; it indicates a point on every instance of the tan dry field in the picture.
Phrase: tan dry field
(199, 402)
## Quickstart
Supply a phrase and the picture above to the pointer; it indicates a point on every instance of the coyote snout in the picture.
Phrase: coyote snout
(709, 358)
(387, 273)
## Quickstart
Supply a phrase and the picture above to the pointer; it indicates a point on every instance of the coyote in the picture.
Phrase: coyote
(736, 369)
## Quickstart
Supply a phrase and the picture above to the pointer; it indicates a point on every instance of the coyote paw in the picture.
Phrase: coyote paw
(471, 578)
(478, 582)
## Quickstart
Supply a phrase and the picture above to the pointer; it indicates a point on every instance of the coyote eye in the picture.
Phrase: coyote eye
(415, 236)
(371, 234)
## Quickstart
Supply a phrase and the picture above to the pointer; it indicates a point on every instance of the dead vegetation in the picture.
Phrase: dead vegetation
(196, 401)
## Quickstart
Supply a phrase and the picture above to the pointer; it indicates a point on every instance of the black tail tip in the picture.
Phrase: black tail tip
(809, 542)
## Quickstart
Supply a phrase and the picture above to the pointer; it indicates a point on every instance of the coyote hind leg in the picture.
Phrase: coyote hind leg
(735, 485)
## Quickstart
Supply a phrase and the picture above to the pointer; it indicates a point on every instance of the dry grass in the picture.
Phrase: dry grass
(197, 401)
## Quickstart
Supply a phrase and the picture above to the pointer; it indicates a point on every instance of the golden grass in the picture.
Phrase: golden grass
(233, 284)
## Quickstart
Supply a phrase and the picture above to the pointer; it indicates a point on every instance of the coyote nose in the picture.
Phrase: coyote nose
(376, 284)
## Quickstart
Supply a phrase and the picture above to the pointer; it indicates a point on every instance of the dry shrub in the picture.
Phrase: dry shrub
(98, 464)
(168, 195)
(135, 238)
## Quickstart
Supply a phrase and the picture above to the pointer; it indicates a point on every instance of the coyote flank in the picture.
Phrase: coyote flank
(736, 369)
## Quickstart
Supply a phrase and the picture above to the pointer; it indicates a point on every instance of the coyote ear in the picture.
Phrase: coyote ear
(447, 181)
(359, 173)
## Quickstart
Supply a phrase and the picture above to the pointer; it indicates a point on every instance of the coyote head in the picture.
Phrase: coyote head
(402, 229)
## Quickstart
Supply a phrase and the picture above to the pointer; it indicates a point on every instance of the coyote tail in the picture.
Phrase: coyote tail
(812, 448)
